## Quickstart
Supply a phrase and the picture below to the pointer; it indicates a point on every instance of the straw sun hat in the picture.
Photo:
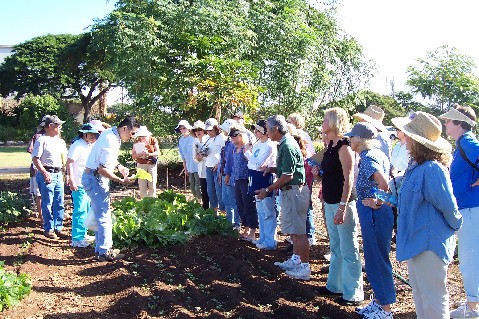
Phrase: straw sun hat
(425, 129)
(374, 115)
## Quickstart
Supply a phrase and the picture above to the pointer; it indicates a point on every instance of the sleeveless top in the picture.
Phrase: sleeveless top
(332, 178)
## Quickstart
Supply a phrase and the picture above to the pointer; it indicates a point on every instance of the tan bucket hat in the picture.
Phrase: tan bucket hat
(425, 129)
(374, 115)
(455, 115)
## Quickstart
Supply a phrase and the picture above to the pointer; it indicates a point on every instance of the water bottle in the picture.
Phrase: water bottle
(385, 196)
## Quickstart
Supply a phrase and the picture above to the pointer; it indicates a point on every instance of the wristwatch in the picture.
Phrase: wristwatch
(267, 190)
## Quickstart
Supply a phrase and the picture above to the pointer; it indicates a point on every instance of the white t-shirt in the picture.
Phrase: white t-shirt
(50, 150)
(79, 152)
(263, 153)
(105, 151)
(309, 143)
(201, 164)
(214, 145)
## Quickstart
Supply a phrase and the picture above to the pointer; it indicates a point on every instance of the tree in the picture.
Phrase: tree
(64, 66)
(218, 56)
(445, 77)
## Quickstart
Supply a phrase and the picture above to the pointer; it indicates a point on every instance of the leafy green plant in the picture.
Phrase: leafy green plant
(12, 207)
(13, 287)
(166, 220)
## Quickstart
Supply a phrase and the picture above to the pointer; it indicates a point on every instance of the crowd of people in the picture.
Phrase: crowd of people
(420, 191)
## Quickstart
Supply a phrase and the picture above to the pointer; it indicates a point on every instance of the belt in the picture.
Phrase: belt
(90, 170)
(52, 169)
(289, 187)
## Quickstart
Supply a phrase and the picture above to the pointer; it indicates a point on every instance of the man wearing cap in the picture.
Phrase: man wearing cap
(186, 148)
(295, 196)
(464, 174)
(99, 170)
(375, 116)
(76, 160)
(49, 152)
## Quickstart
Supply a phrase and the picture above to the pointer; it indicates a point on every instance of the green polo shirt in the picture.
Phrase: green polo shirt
(290, 160)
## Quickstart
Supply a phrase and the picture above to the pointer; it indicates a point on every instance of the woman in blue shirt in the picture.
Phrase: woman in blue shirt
(428, 215)
(376, 220)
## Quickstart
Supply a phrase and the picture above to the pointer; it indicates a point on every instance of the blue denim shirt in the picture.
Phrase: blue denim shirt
(370, 162)
(228, 153)
(240, 166)
(463, 175)
(427, 213)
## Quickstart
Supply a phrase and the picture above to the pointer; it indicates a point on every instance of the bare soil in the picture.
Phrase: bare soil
(211, 277)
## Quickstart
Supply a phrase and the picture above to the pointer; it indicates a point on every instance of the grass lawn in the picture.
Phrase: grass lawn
(14, 156)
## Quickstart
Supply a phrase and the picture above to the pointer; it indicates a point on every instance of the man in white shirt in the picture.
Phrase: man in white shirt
(49, 152)
(99, 170)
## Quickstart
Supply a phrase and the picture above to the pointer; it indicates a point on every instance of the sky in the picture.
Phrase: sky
(393, 33)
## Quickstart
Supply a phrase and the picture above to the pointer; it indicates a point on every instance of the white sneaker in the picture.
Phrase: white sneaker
(373, 306)
(89, 238)
(379, 314)
(288, 264)
(301, 272)
(80, 243)
(327, 256)
(464, 311)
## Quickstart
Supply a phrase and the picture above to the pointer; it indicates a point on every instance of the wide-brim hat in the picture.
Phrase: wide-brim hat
(199, 125)
(227, 125)
(364, 130)
(88, 128)
(260, 126)
(210, 123)
(374, 115)
(182, 123)
(143, 131)
(98, 125)
(455, 115)
(425, 129)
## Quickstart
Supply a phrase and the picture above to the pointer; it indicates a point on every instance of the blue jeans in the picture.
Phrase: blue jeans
(52, 201)
(376, 229)
(214, 189)
(469, 253)
(97, 188)
(267, 221)
(229, 200)
(345, 272)
(81, 207)
(245, 204)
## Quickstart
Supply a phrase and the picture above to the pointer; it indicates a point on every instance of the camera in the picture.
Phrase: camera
(204, 150)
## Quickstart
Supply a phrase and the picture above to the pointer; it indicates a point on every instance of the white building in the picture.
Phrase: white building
(5, 50)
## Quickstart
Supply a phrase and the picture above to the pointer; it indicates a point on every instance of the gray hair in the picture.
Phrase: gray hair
(279, 122)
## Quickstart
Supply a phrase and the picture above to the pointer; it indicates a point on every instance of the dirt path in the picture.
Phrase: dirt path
(211, 277)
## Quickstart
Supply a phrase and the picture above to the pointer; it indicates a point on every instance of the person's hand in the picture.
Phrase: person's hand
(371, 202)
(127, 181)
(476, 183)
(47, 177)
(73, 185)
(315, 171)
(123, 170)
(340, 215)
(144, 154)
(248, 147)
(261, 194)
(199, 157)
(227, 180)
(215, 168)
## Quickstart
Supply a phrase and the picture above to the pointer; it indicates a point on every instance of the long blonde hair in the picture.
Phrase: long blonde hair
(338, 120)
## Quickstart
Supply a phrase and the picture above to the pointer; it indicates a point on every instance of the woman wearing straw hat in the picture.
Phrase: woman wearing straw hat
(465, 183)
(428, 215)
(145, 153)
(376, 220)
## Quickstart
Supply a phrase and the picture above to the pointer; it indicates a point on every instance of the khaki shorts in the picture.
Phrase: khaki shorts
(294, 210)
(34, 186)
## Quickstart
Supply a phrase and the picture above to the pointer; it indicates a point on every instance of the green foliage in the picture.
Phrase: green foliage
(445, 77)
(13, 287)
(166, 220)
(200, 59)
(13, 207)
(65, 66)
